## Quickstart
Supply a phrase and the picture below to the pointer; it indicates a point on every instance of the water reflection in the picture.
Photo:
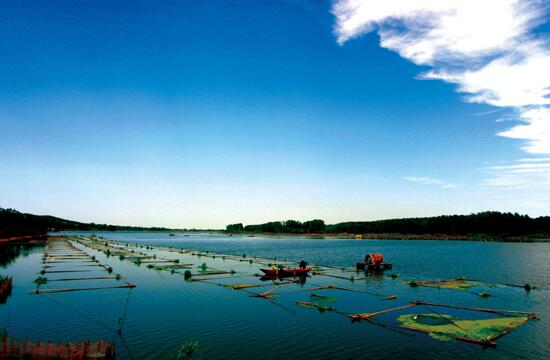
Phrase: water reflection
(9, 253)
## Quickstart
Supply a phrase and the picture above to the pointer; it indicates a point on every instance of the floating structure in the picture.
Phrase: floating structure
(479, 326)
(454, 284)
(373, 262)
(276, 272)
(25, 349)
(67, 258)
(480, 331)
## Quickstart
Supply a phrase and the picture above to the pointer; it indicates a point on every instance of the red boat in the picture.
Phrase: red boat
(286, 272)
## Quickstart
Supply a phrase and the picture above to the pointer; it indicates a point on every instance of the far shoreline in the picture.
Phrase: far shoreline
(534, 238)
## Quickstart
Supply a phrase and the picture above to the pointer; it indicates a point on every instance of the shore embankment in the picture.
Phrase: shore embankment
(22, 238)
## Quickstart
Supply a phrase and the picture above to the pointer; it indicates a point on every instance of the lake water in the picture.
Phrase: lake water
(164, 311)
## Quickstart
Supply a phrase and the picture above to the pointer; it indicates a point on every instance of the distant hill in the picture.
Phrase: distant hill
(490, 223)
(14, 223)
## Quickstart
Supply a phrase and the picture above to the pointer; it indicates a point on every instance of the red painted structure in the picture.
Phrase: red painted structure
(373, 262)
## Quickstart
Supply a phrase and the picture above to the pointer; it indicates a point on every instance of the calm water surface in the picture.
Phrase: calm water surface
(164, 311)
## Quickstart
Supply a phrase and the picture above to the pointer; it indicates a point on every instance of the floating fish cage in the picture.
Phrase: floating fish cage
(480, 326)
(62, 257)
(25, 349)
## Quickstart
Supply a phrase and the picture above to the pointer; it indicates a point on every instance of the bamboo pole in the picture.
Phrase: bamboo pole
(329, 287)
(332, 276)
(365, 316)
(63, 271)
(267, 293)
(493, 311)
(213, 273)
(88, 278)
(51, 291)
(224, 277)
(317, 306)
(172, 266)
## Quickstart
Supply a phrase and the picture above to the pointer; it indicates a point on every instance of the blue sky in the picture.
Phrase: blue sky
(200, 114)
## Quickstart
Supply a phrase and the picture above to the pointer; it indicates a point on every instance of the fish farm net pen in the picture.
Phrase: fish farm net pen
(478, 309)
(526, 286)
(62, 271)
(119, 334)
(365, 316)
(450, 321)
(225, 277)
(51, 291)
(461, 331)
(88, 278)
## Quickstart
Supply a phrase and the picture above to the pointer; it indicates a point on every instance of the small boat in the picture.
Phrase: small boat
(171, 234)
(286, 272)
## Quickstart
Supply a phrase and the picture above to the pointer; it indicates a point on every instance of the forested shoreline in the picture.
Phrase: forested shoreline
(17, 224)
(489, 225)
(480, 225)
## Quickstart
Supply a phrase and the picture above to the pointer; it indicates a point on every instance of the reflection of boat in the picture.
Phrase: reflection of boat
(286, 272)
(171, 234)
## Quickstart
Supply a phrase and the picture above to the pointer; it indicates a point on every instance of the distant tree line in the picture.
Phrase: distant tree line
(14, 223)
(489, 222)
(288, 227)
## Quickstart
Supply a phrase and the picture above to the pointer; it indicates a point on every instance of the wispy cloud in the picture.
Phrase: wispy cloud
(487, 48)
(430, 181)
(522, 174)
(483, 113)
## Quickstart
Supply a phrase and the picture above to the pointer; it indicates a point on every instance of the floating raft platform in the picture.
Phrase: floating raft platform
(51, 291)
(481, 329)
(482, 332)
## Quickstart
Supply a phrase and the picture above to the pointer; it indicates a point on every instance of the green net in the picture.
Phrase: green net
(447, 327)
(455, 284)
(320, 302)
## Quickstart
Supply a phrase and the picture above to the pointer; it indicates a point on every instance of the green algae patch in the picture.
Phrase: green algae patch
(454, 284)
(447, 327)
(320, 302)
(462, 285)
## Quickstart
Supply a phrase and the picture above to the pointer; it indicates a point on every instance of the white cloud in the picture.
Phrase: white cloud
(427, 31)
(534, 160)
(486, 48)
(430, 181)
(519, 78)
(536, 130)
